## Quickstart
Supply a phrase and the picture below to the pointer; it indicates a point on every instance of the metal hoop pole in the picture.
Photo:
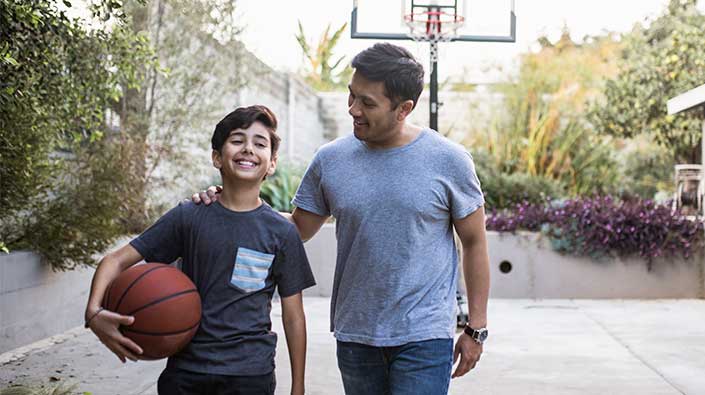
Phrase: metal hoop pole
(433, 108)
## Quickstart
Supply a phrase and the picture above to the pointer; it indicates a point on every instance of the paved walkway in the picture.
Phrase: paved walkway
(536, 347)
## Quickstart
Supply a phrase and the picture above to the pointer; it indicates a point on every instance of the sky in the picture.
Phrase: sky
(271, 26)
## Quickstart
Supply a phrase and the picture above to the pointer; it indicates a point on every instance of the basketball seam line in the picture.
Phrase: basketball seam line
(107, 302)
(134, 282)
(152, 303)
(127, 329)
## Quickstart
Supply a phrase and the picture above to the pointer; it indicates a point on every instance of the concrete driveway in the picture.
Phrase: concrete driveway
(535, 347)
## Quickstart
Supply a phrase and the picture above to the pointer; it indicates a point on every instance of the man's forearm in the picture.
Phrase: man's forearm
(476, 268)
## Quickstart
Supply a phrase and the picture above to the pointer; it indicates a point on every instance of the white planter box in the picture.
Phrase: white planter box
(36, 302)
(539, 272)
(322, 250)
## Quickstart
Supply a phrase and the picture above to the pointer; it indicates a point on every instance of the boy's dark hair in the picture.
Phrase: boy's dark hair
(396, 67)
(242, 118)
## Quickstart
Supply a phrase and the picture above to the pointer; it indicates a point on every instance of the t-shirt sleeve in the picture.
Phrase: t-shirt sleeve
(292, 271)
(310, 195)
(464, 192)
(163, 241)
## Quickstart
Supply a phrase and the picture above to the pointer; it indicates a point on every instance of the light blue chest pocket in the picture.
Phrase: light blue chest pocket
(251, 269)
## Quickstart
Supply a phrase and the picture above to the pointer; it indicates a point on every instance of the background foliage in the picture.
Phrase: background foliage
(279, 190)
(539, 129)
(659, 62)
(92, 108)
(321, 72)
(57, 80)
(601, 227)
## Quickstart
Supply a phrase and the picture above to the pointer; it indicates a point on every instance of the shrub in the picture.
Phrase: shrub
(60, 186)
(279, 190)
(646, 169)
(503, 190)
(602, 227)
(80, 215)
(20, 389)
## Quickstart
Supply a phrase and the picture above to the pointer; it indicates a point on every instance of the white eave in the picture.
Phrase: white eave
(686, 100)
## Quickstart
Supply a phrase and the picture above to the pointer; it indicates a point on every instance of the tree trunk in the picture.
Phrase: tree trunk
(134, 125)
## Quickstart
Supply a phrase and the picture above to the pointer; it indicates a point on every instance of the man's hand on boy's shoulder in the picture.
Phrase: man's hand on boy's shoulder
(106, 326)
(208, 196)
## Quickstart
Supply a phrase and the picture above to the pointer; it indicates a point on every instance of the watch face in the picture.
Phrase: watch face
(482, 335)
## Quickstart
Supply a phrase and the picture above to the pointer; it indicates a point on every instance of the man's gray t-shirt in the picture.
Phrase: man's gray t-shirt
(397, 265)
(235, 259)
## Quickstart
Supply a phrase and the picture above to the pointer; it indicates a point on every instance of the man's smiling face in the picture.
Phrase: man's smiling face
(374, 115)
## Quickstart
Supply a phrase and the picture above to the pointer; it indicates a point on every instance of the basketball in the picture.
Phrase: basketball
(165, 304)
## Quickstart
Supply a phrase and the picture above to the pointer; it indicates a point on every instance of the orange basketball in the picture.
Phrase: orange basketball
(165, 304)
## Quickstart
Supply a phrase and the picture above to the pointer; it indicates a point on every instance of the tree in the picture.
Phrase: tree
(659, 62)
(321, 74)
(200, 68)
(539, 130)
(57, 78)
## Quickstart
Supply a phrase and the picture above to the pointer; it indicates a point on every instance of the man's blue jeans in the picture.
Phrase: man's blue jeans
(414, 368)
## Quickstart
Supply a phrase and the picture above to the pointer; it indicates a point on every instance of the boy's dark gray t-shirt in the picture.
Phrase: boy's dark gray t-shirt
(397, 265)
(235, 259)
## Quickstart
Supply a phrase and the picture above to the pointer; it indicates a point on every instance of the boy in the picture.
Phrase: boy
(233, 350)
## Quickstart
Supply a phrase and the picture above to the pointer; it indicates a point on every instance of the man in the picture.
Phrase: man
(397, 191)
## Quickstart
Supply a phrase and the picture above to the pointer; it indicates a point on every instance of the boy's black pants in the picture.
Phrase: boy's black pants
(174, 381)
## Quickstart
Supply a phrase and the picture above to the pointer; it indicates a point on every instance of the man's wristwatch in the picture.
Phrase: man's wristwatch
(479, 335)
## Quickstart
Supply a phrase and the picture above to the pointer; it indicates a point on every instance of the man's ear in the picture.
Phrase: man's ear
(217, 162)
(404, 109)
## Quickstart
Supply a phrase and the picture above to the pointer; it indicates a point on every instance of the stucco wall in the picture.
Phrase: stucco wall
(36, 302)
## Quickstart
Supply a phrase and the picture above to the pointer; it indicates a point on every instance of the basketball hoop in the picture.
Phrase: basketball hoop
(433, 26)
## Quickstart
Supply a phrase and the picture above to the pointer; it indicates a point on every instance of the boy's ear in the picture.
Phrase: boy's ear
(272, 166)
(215, 156)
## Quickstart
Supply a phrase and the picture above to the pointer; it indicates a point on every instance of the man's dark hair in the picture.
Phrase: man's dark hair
(243, 118)
(396, 67)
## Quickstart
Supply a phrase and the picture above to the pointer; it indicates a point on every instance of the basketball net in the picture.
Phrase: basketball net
(433, 26)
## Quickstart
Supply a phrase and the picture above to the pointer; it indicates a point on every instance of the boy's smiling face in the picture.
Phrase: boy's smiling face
(246, 154)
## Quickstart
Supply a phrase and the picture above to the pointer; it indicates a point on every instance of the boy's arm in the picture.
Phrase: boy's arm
(295, 330)
(105, 324)
(476, 267)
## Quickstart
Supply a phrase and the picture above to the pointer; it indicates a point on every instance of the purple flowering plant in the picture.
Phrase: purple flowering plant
(603, 226)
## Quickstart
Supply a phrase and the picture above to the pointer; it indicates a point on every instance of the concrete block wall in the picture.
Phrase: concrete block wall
(299, 113)
(297, 106)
